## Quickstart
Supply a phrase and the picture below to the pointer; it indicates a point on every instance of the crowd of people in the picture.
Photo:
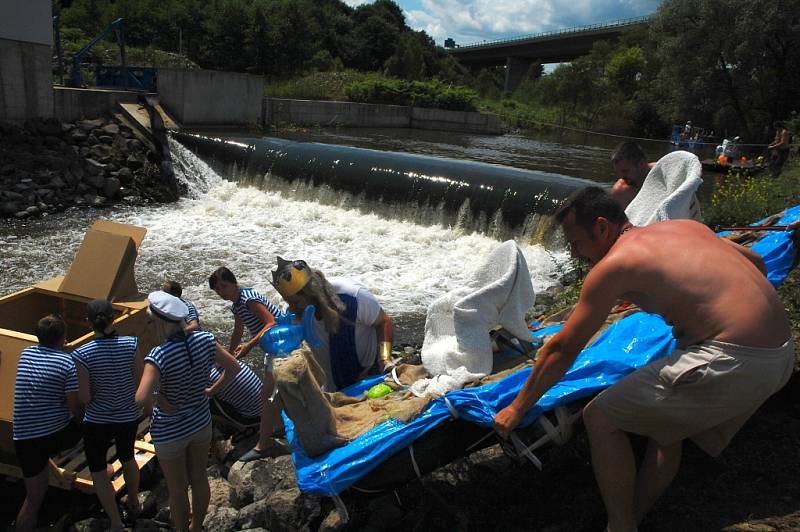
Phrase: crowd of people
(733, 337)
(103, 389)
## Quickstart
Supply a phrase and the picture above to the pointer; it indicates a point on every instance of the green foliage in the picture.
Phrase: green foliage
(740, 199)
(433, 93)
(318, 85)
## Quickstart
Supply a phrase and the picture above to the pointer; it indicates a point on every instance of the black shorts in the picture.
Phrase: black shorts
(97, 439)
(33, 453)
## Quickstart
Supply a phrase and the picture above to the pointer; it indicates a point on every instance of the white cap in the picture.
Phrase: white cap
(167, 307)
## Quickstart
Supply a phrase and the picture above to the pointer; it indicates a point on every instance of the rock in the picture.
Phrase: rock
(14, 196)
(110, 129)
(78, 135)
(124, 174)
(253, 515)
(98, 201)
(56, 182)
(21, 214)
(333, 522)
(8, 208)
(147, 525)
(89, 125)
(221, 492)
(33, 210)
(221, 519)
(91, 140)
(257, 479)
(111, 187)
(66, 128)
(134, 161)
(290, 510)
(94, 167)
(7, 169)
(92, 525)
(106, 139)
(95, 181)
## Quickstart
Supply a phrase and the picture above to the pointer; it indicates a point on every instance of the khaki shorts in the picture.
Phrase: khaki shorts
(704, 392)
(177, 449)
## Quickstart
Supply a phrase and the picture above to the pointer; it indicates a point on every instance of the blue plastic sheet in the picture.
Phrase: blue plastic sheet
(622, 348)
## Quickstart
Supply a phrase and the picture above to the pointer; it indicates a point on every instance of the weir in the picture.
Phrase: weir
(487, 198)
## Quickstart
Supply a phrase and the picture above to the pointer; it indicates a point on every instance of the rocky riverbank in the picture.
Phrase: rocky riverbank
(48, 166)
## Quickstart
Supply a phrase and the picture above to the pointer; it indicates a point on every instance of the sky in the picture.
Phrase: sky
(470, 21)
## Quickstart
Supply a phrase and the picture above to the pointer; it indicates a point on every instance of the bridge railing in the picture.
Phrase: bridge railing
(601, 25)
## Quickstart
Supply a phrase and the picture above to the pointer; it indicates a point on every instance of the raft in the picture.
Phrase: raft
(460, 422)
(102, 268)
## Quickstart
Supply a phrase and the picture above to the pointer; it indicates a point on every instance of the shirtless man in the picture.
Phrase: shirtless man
(631, 167)
(704, 390)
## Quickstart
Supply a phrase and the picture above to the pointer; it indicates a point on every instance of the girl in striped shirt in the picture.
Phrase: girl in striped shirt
(109, 368)
(181, 421)
(258, 313)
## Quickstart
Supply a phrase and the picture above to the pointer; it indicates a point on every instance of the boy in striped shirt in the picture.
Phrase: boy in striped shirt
(45, 407)
(257, 313)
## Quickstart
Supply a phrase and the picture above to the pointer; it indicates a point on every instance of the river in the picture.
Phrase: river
(406, 260)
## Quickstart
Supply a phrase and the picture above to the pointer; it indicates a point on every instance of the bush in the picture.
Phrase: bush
(317, 85)
(393, 91)
(740, 199)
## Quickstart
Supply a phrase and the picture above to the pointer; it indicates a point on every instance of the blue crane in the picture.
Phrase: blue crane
(75, 78)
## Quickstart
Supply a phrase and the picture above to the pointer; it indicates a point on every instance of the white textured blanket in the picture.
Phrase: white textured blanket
(457, 348)
(668, 191)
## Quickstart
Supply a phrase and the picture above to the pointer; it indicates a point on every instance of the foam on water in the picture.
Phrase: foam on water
(406, 265)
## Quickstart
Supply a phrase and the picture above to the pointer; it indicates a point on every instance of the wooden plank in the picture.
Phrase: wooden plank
(140, 445)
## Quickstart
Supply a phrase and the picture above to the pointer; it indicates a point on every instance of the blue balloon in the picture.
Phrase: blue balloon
(286, 335)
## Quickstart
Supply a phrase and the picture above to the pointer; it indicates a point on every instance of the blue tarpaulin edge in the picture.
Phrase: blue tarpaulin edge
(623, 347)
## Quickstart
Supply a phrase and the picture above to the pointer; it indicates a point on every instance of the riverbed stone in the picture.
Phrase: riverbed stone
(256, 480)
(110, 129)
(111, 187)
(89, 125)
(222, 519)
(254, 515)
(291, 510)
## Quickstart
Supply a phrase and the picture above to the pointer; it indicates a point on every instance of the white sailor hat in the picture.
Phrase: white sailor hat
(167, 307)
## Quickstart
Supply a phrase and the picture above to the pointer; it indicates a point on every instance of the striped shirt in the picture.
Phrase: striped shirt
(184, 375)
(193, 315)
(252, 321)
(44, 376)
(243, 393)
(109, 362)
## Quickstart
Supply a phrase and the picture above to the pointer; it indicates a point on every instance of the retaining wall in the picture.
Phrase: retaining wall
(74, 104)
(348, 114)
(211, 98)
(26, 81)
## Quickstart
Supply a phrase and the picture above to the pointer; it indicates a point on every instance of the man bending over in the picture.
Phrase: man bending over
(734, 346)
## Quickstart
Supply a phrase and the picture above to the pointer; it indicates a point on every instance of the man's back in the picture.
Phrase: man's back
(699, 283)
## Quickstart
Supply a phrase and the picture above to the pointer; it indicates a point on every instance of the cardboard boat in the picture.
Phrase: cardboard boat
(102, 268)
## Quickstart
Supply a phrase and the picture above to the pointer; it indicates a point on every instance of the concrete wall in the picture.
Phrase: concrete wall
(348, 114)
(27, 21)
(211, 98)
(26, 81)
(74, 104)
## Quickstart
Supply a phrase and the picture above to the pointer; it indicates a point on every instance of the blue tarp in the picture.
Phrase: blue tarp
(623, 347)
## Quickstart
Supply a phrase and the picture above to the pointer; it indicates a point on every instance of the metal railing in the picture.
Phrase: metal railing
(601, 25)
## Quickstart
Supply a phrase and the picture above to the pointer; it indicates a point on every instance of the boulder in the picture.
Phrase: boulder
(147, 525)
(89, 125)
(258, 479)
(111, 187)
(333, 522)
(92, 525)
(94, 167)
(290, 510)
(8, 208)
(134, 161)
(110, 129)
(253, 515)
(78, 135)
(94, 180)
(222, 519)
(108, 140)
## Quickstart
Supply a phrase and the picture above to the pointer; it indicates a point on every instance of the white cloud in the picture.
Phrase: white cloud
(355, 3)
(469, 21)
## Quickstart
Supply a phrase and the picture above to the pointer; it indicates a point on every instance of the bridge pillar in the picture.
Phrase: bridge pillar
(516, 70)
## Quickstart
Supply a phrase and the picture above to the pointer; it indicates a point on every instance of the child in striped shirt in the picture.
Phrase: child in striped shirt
(258, 314)
(109, 368)
(45, 401)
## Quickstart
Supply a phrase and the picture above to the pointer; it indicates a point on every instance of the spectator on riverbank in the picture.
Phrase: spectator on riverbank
(108, 372)
(734, 347)
(193, 318)
(257, 313)
(354, 331)
(181, 423)
(631, 167)
(46, 408)
(779, 148)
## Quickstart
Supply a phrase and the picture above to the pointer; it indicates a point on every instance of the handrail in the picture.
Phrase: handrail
(600, 25)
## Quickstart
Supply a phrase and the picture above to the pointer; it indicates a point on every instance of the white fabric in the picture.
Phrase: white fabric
(668, 191)
(167, 306)
(366, 336)
(457, 348)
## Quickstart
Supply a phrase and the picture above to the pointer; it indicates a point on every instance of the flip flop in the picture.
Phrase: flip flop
(276, 448)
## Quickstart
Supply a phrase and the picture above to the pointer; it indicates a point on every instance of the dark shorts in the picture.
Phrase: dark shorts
(97, 439)
(33, 454)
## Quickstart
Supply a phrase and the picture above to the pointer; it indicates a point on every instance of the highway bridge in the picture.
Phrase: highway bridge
(519, 53)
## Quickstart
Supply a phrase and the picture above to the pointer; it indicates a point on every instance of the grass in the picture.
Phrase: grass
(331, 86)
